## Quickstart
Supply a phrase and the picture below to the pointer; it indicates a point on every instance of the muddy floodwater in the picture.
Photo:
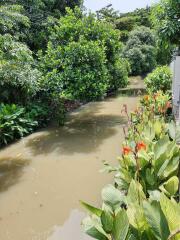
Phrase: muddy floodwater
(43, 176)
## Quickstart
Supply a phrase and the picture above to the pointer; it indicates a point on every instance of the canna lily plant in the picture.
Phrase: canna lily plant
(133, 217)
(141, 205)
(153, 161)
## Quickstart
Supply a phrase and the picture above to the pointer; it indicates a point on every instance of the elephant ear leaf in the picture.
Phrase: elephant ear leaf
(91, 209)
(92, 226)
(121, 225)
(157, 220)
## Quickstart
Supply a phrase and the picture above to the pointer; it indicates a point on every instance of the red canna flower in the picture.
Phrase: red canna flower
(140, 146)
(126, 150)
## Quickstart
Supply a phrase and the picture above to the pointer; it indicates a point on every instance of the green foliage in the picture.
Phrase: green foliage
(14, 123)
(18, 75)
(142, 205)
(80, 64)
(165, 18)
(144, 34)
(140, 50)
(38, 12)
(142, 219)
(39, 112)
(159, 79)
(13, 21)
(142, 16)
(82, 50)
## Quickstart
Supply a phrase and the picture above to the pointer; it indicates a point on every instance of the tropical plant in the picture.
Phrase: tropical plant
(159, 79)
(133, 216)
(39, 112)
(165, 18)
(18, 74)
(14, 123)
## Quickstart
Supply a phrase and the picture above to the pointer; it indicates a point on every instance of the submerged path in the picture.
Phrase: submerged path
(43, 176)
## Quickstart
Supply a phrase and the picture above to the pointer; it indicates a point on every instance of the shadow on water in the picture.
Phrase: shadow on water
(11, 170)
(81, 135)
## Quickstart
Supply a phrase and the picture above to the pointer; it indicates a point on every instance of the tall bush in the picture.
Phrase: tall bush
(140, 50)
(70, 30)
(78, 70)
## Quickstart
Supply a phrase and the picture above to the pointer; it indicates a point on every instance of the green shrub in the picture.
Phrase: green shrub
(119, 74)
(149, 53)
(79, 70)
(159, 79)
(144, 34)
(77, 73)
(14, 123)
(140, 50)
(18, 75)
(136, 60)
(39, 112)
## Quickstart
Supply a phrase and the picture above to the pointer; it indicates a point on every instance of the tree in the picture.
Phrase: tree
(38, 12)
(140, 50)
(18, 74)
(13, 21)
(165, 18)
(69, 71)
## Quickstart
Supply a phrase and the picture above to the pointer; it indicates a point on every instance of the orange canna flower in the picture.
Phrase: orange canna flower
(146, 97)
(140, 146)
(126, 150)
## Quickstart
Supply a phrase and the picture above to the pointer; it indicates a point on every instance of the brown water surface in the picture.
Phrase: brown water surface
(43, 176)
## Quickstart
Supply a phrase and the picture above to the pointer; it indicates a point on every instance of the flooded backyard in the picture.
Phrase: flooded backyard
(43, 176)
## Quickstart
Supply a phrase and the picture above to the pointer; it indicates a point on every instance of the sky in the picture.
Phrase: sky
(120, 5)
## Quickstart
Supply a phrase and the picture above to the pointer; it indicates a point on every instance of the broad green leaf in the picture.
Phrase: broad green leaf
(91, 209)
(172, 212)
(172, 130)
(136, 217)
(144, 158)
(150, 177)
(169, 167)
(160, 147)
(149, 133)
(92, 226)
(107, 221)
(121, 225)
(112, 196)
(157, 220)
(170, 187)
(135, 193)
(158, 128)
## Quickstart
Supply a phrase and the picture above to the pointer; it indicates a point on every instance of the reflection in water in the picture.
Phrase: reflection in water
(77, 136)
(11, 169)
(63, 168)
(71, 228)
